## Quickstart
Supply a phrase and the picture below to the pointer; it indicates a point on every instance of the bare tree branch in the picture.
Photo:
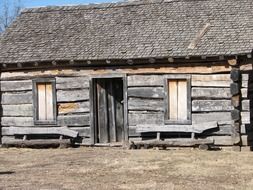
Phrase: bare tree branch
(9, 10)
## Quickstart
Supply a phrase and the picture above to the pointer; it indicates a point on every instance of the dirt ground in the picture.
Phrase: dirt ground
(115, 168)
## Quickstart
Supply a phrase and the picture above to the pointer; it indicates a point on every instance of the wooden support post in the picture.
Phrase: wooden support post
(235, 89)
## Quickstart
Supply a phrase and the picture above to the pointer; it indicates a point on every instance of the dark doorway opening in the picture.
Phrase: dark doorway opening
(108, 109)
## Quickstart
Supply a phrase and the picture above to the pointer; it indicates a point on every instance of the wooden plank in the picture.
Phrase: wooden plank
(17, 98)
(211, 105)
(217, 80)
(119, 109)
(182, 100)
(221, 140)
(147, 118)
(63, 83)
(159, 69)
(17, 110)
(102, 111)
(73, 107)
(41, 102)
(111, 111)
(220, 130)
(199, 35)
(217, 93)
(39, 131)
(195, 128)
(145, 80)
(49, 102)
(146, 92)
(212, 116)
(83, 131)
(138, 117)
(18, 85)
(72, 95)
(17, 121)
(7, 141)
(74, 120)
(174, 142)
(145, 104)
(173, 99)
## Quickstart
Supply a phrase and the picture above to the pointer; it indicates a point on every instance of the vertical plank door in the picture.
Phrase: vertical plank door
(102, 111)
(119, 108)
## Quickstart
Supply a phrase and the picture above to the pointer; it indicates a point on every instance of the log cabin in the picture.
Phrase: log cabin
(152, 72)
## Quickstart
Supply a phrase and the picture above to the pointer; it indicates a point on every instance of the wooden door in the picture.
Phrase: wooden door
(109, 110)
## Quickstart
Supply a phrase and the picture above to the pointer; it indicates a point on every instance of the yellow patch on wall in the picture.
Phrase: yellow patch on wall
(67, 107)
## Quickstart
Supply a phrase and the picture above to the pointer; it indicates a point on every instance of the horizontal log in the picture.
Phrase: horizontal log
(83, 131)
(63, 83)
(215, 80)
(221, 140)
(72, 95)
(236, 101)
(74, 120)
(221, 130)
(145, 118)
(246, 67)
(159, 69)
(195, 128)
(174, 142)
(210, 93)
(234, 88)
(73, 107)
(145, 80)
(211, 105)
(235, 74)
(17, 121)
(145, 104)
(138, 118)
(146, 92)
(19, 85)
(212, 116)
(62, 120)
(18, 110)
(7, 141)
(235, 114)
(39, 131)
(17, 98)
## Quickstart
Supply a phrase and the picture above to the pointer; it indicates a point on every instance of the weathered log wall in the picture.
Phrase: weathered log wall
(210, 98)
(210, 101)
(72, 94)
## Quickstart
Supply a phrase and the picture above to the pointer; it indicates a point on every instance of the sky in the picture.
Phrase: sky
(39, 3)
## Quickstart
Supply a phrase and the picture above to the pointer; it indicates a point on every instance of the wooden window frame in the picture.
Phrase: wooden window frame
(166, 100)
(35, 101)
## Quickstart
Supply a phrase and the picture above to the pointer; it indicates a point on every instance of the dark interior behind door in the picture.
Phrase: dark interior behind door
(109, 110)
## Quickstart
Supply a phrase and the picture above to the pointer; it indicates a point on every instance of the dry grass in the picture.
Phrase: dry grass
(114, 168)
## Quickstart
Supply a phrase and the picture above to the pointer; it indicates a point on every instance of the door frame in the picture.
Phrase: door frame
(93, 130)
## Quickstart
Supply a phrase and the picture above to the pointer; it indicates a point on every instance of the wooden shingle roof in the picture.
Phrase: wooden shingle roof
(129, 30)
